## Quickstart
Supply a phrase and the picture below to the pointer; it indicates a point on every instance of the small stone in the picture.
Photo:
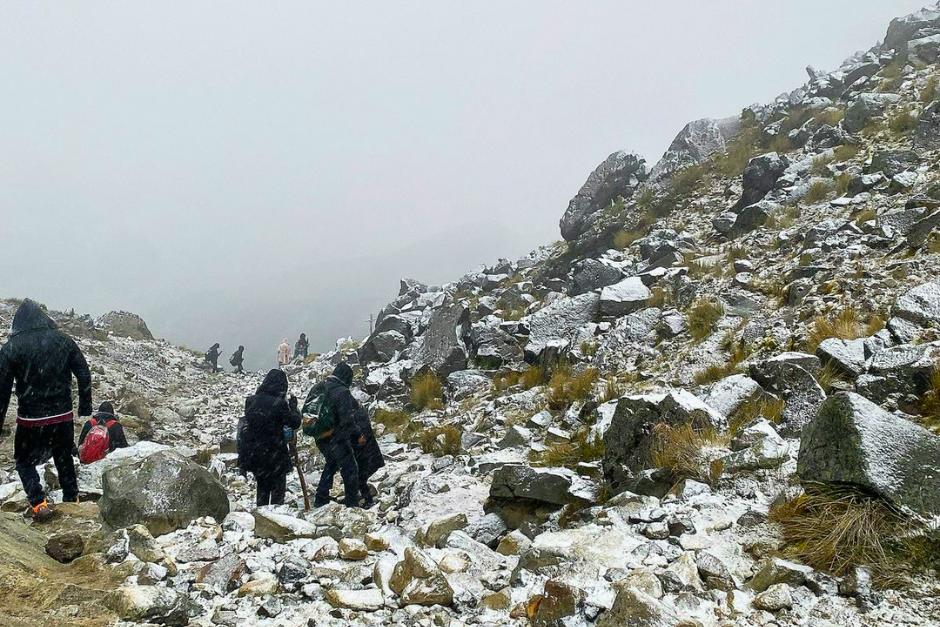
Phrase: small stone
(776, 597)
(65, 547)
(368, 600)
(353, 549)
(375, 542)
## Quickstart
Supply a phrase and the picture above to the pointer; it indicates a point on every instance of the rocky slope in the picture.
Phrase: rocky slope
(714, 404)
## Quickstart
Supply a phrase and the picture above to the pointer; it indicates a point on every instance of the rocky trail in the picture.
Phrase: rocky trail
(715, 403)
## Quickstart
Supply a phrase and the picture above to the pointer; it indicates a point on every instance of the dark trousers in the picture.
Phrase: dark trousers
(271, 490)
(339, 456)
(33, 446)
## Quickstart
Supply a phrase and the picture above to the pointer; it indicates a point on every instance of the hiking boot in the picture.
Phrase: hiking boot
(41, 512)
(318, 503)
(368, 503)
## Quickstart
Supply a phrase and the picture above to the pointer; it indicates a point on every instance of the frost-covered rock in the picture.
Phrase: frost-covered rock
(417, 580)
(554, 324)
(443, 346)
(848, 356)
(731, 393)
(618, 175)
(920, 305)
(624, 297)
(760, 175)
(124, 324)
(163, 491)
(853, 441)
(558, 486)
(149, 604)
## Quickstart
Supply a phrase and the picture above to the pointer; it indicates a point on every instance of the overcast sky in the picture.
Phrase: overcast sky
(242, 171)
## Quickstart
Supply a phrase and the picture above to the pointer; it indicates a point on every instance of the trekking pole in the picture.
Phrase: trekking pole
(300, 474)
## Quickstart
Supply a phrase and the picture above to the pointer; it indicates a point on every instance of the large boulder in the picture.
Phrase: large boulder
(443, 347)
(865, 107)
(592, 274)
(853, 441)
(419, 581)
(921, 304)
(491, 347)
(694, 144)
(624, 297)
(927, 134)
(628, 441)
(90, 475)
(163, 491)
(554, 324)
(382, 346)
(149, 604)
(557, 486)
(904, 29)
(124, 324)
(760, 175)
(618, 175)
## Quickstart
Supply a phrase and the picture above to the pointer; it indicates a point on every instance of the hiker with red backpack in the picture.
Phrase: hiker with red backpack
(41, 360)
(101, 435)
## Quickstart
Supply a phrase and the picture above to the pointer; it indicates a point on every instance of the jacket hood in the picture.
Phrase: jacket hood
(30, 317)
(343, 373)
(106, 409)
(274, 384)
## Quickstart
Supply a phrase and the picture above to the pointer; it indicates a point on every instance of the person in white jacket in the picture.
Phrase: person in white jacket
(283, 354)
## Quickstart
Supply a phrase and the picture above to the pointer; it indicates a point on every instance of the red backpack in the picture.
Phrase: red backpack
(96, 444)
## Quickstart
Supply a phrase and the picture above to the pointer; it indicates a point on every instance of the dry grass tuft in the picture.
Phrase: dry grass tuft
(427, 392)
(865, 215)
(444, 440)
(612, 390)
(828, 375)
(929, 93)
(681, 450)
(818, 192)
(845, 152)
(764, 407)
(564, 387)
(830, 116)
(930, 403)
(533, 376)
(581, 448)
(702, 317)
(902, 122)
(503, 381)
(659, 297)
(738, 352)
(848, 324)
(837, 529)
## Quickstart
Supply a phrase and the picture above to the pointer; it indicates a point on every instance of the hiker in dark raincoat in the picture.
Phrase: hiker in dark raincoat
(336, 445)
(262, 438)
(368, 454)
(104, 415)
(212, 356)
(238, 359)
(301, 346)
(41, 361)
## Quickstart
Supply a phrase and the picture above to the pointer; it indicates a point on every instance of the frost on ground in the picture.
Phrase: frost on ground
(613, 430)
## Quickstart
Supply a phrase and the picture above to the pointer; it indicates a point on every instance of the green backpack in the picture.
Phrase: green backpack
(320, 419)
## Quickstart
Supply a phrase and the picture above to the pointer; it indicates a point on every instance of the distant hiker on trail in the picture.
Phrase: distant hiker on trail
(283, 354)
(237, 359)
(301, 347)
(101, 435)
(42, 360)
(212, 356)
(368, 454)
(332, 423)
(263, 435)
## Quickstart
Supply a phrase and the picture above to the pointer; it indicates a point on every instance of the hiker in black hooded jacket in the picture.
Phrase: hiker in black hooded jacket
(262, 446)
(238, 359)
(104, 415)
(368, 454)
(336, 445)
(212, 356)
(41, 361)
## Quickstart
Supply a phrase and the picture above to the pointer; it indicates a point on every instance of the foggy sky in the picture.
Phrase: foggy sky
(243, 171)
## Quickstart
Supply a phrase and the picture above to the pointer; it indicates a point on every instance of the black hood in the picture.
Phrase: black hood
(274, 384)
(106, 409)
(343, 373)
(30, 317)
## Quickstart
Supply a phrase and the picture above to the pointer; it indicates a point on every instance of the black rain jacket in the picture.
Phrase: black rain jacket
(341, 401)
(262, 448)
(41, 360)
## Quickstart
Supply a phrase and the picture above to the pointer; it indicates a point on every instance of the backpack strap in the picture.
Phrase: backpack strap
(110, 423)
(94, 422)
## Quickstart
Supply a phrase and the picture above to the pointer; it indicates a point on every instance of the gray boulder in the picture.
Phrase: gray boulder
(628, 441)
(853, 441)
(592, 274)
(163, 491)
(906, 367)
(443, 347)
(927, 133)
(554, 324)
(864, 108)
(124, 324)
(760, 175)
(904, 29)
(768, 371)
(847, 356)
(624, 297)
(694, 144)
(751, 217)
(556, 486)
(382, 346)
(464, 383)
(920, 305)
(729, 394)
(618, 175)
(491, 347)
(893, 162)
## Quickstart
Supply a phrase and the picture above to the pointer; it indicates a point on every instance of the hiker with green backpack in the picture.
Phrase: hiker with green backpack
(330, 418)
